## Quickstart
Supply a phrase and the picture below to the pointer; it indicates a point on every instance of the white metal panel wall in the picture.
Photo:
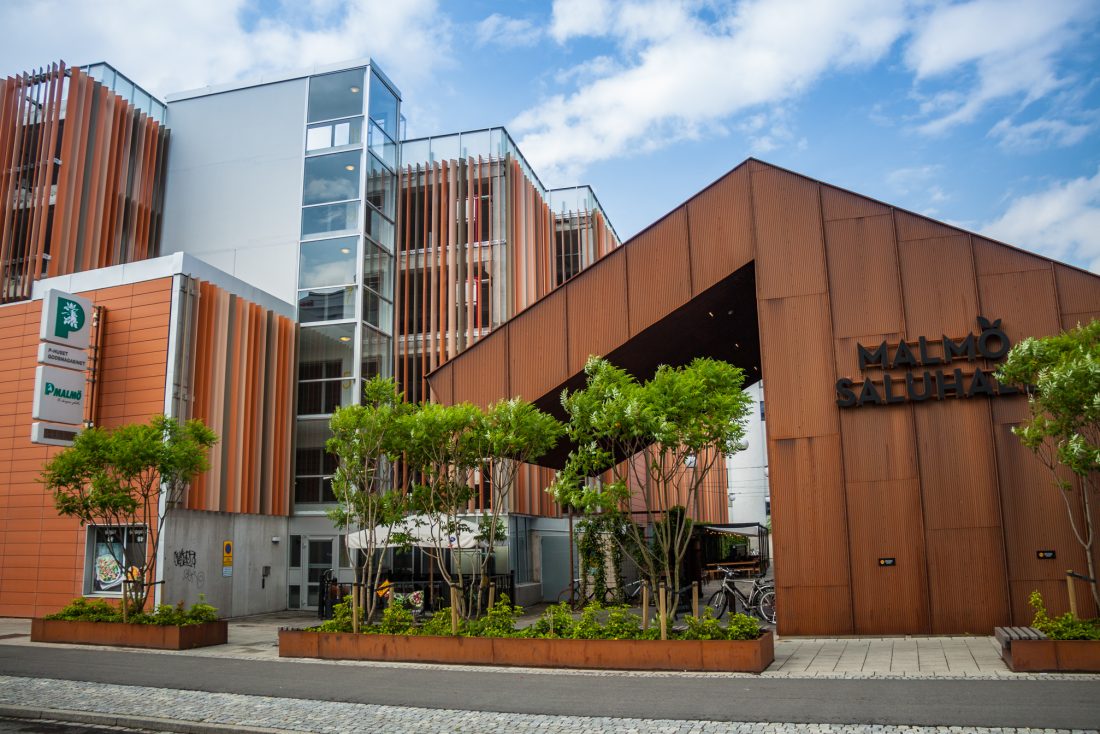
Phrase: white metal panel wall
(234, 182)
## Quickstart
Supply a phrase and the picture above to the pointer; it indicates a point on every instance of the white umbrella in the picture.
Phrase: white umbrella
(422, 532)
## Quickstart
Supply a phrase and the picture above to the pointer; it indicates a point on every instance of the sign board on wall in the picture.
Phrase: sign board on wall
(60, 381)
(58, 395)
(53, 434)
(227, 558)
(66, 319)
(56, 355)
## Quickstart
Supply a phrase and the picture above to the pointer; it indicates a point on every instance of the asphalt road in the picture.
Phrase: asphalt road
(1065, 704)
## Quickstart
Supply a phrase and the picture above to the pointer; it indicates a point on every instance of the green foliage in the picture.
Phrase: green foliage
(165, 615)
(676, 426)
(499, 621)
(365, 440)
(116, 477)
(742, 627)
(556, 621)
(518, 431)
(588, 627)
(600, 544)
(1065, 627)
(396, 620)
(1061, 375)
(439, 624)
(445, 447)
(704, 628)
(341, 617)
(622, 624)
(88, 610)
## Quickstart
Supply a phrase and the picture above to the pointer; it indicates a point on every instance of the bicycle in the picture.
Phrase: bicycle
(760, 601)
(572, 594)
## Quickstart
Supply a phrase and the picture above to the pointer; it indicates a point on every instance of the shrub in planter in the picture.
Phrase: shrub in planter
(165, 615)
(1064, 627)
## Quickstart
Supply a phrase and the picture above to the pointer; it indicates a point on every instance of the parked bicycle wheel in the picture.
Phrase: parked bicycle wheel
(718, 603)
(765, 605)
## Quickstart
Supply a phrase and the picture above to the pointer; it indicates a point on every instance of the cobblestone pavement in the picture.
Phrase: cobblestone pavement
(224, 712)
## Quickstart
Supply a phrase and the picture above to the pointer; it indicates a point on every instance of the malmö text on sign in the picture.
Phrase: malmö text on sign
(912, 372)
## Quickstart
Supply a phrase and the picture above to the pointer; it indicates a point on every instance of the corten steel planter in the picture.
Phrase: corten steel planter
(740, 656)
(130, 635)
(1052, 656)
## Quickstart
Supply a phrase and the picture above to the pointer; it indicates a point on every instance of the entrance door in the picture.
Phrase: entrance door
(318, 559)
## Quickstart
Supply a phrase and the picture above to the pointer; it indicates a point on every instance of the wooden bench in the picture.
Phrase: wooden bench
(1006, 635)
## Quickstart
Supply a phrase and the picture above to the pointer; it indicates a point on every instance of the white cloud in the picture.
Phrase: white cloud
(1010, 46)
(687, 73)
(184, 45)
(507, 32)
(1038, 134)
(1062, 222)
(572, 18)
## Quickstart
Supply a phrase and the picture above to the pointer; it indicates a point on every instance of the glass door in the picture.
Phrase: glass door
(318, 558)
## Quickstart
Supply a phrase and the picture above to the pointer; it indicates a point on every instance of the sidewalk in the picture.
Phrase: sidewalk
(256, 638)
(832, 686)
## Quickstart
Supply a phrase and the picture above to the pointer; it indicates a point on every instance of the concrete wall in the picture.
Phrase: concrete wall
(235, 180)
(747, 470)
(193, 561)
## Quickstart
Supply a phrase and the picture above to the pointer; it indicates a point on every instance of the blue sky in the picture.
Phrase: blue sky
(982, 113)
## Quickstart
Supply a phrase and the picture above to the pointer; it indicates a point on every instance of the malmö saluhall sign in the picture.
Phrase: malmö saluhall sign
(927, 376)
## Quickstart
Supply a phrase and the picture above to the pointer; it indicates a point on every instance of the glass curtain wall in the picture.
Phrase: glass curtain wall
(345, 265)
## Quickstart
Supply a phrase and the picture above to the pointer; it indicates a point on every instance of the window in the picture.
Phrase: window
(379, 228)
(327, 262)
(378, 270)
(335, 95)
(376, 354)
(383, 106)
(319, 220)
(332, 177)
(381, 185)
(295, 551)
(314, 467)
(326, 304)
(568, 253)
(325, 361)
(382, 146)
(111, 552)
(334, 134)
(761, 410)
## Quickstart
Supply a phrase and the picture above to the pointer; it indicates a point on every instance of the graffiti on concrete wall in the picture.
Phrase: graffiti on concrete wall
(186, 557)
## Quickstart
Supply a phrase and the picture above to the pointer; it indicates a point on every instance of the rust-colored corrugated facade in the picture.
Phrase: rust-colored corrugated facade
(941, 487)
(479, 243)
(81, 178)
(238, 377)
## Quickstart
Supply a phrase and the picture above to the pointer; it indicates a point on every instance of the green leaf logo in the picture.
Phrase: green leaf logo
(70, 318)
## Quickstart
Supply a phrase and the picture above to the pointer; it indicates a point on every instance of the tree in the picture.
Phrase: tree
(1061, 376)
(670, 430)
(118, 478)
(443, 446)
(516, 432)
(449, 449)
(365, 441)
